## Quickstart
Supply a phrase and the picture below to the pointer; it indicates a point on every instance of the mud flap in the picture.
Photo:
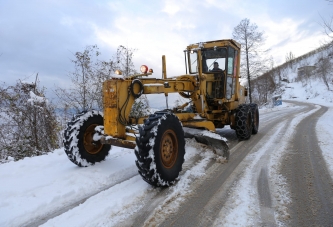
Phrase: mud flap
(209, 138)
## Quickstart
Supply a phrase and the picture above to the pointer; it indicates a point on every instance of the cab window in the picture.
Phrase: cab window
(231, 70)
(193, 61)
(211, 56)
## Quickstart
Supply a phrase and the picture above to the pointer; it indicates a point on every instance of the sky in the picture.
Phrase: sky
(42, 36)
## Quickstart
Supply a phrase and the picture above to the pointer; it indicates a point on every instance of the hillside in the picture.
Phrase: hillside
(308, 77)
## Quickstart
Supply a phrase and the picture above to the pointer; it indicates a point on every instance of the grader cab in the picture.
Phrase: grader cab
(215, 99)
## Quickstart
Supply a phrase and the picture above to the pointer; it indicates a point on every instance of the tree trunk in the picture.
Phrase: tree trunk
(248, 70)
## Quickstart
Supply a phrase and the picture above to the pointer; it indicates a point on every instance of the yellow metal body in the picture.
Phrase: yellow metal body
(213, 108)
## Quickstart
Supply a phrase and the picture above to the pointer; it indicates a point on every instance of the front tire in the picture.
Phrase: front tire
(160, 149)
(78, 141)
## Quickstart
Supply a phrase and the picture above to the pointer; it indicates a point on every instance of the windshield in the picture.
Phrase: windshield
(213, 59)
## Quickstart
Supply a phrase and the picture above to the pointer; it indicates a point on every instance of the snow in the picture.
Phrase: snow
(242, 208)
(183, 187)
(76, 124)
(115, 76)
(243, 203)
(153, 85)
(325, 136)
(35, 99)
(108, 193)
(39, 186)
(110, 203)
(213, 135)
(35, 187)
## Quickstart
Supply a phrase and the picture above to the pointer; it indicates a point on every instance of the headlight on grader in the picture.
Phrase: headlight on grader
(144, 69)
(118, 72)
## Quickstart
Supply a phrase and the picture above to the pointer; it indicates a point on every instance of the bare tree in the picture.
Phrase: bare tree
(328, 27)
(252, 42)
(83, 91)
(124, 60)
(264, 86)
(28, 123)
(290, 56)
(305, 72)
(86, 91)
(327, 24)
(89, 75)
(324, 69)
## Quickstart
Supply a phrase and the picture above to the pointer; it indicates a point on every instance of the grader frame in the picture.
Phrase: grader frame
(120, 93)
(216, 99)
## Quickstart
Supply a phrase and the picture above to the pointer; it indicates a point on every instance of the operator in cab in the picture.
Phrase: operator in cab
(216, 67)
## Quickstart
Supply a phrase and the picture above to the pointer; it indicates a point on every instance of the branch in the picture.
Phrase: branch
(328, 26)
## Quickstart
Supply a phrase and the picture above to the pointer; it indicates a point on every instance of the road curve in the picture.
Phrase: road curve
(308, 180)
(286, 135)
(310, 183)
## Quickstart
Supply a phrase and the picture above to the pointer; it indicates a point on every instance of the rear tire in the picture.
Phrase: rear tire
(78, 141)
(255, 118)
(160, 149)
(243, 122)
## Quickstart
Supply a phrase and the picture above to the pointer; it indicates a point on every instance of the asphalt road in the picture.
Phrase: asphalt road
(308, 180)
(310, 183)
(286, 147)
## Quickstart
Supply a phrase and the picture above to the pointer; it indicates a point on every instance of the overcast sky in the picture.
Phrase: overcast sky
(41, 36)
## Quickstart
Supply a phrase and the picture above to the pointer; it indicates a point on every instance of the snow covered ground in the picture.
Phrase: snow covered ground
(111, 191)
(242, 205)
(242, 208)
(37, 187)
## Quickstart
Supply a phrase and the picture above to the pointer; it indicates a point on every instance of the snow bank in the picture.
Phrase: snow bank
(325, 137)
(38, 186)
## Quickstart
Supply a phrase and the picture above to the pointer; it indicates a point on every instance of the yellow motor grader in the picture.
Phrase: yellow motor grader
(215, 99)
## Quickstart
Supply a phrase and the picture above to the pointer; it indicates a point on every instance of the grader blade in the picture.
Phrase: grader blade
(211, 139)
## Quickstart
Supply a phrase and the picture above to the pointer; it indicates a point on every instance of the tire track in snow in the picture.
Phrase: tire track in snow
(151, 195)
(156, 197)
(244, 194)
(268, 194)
(155, 203)
(210, 193)
(162, 205)
(308, 177)
(166, 200)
